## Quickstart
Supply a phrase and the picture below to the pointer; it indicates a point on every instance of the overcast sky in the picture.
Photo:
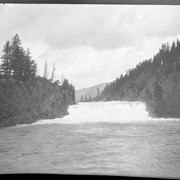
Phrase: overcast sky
(90, 44)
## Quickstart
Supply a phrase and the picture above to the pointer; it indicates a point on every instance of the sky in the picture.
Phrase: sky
(89, 44)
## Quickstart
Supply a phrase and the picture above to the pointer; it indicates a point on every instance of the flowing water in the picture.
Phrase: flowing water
(106, 138)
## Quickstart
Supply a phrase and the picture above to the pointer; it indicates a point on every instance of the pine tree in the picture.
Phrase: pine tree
(6, 60)
(65, 84)
(18, 57)
(178, 52)
(17, 62)
(157, 91)
(33, 69)
(178, 46)
(173, 52)
(30, 66)
(27, 64)
(148, 94)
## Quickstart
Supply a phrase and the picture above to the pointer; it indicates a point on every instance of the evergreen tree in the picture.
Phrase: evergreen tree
(33, 69)
(165, 62)
(6, 60)
(17, 58)
(17, 62)
(65, 84)
(27, 65)
(178, 46)
(30, 67)
(148, 94)
(173, 53)
(157, 91)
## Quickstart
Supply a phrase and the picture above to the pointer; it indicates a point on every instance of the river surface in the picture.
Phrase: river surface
(106, 138)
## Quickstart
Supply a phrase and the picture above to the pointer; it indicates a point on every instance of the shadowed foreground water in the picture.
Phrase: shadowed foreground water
(132, 149)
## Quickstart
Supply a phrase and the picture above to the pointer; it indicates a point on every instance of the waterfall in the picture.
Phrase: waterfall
(113, 111)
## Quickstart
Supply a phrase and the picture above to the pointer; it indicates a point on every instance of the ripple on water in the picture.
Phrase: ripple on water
(96, 147)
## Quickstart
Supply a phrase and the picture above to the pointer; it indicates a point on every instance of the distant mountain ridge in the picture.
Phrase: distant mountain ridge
(89, 91)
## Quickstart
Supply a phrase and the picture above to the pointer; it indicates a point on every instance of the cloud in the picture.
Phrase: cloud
(99, 27)
(90, 44)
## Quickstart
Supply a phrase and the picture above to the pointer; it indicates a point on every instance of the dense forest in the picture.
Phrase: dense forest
(26, 97)
(155, 81)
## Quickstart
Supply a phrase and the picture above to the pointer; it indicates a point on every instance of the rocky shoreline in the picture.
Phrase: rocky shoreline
(27, 103)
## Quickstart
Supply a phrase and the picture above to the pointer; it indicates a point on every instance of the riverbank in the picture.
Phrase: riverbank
(167, 105)
(26, 97)
(24, 103)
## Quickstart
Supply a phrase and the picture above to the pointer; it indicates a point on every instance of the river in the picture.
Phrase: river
(104, 138)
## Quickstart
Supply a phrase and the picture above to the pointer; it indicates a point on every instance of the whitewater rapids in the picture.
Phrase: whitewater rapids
(112, 112)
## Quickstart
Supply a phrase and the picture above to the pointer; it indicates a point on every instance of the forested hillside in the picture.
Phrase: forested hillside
(155, 81)
(26, 97)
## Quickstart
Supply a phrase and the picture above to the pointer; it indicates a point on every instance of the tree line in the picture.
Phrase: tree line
(17, 62)
(65, 85)
(89, 98)
(166, 61)
(86, 98)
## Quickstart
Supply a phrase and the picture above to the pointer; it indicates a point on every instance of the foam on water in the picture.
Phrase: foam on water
(114, 111)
